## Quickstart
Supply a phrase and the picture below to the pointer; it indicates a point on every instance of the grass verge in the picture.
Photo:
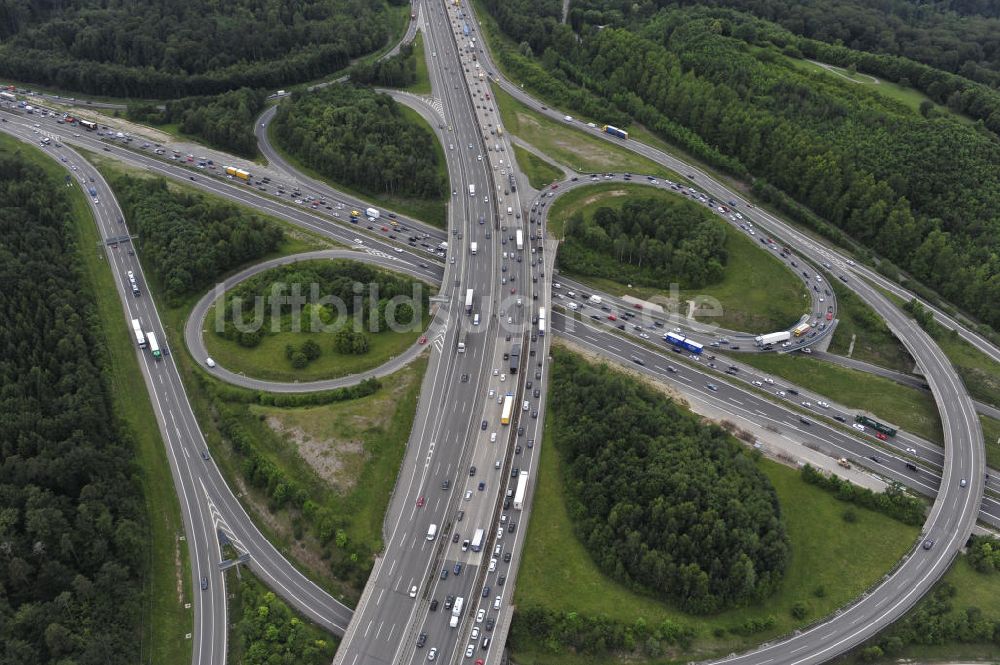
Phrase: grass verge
(979, 372)
(991, 435)
(909, 408)
(165, 621)
(569, 146)
(540, 173)
(873, 342)
(433, 212)
(832, 561)
(757, 293)
(422, 86)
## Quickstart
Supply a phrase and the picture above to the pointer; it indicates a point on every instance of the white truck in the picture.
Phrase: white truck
(468, 301)
(472, 190)
(456, 612)
(140, 338)
(522, 485)
(519, 235)
(473, 248)
(372, 213)
(773, 338)
(154, 348)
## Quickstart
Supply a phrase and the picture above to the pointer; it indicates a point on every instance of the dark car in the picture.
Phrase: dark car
(506, 557)
(422, 640)
(490, 623)
(458, 569)
(204, 583)
(928, 544)
(455, 537)
(483, 426)
(444, 576)
(434, 605)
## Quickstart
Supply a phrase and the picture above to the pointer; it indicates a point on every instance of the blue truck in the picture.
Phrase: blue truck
(614, 131)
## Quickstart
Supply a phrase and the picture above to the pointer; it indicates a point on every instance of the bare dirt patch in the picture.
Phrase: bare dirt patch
(327, 457)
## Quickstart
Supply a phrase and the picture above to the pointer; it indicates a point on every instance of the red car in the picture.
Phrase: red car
(422, 340)
(829, 316)
(637, 305)
(420, 502)
(881, 436)
(612, 317)
(555, 185)
(513, 289)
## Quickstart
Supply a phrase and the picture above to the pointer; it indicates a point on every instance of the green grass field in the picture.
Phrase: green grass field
(873, 342)
(167, 587)
(422, 86)
(267, 360)
(756, 293)
(910, 97)
(431, 211)
(540, 173)
(364, 478)
(843, 558)
(911, 409)
(991, 436)
(570, 146)
(979, 372)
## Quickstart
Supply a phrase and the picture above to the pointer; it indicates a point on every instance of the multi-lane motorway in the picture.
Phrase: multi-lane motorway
(448, 438)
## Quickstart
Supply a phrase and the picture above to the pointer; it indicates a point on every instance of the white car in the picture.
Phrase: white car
(769, 380)
(468, 495)
(503, 377)
(493, 392)
(413, 591)
(469, 650)
(496, 603)
(475, 633)
(480, 615)
(823, 405)
(432, 654)
(209, 362)
(493, 565)
(493, 437)
(858, 426)
(495, 371)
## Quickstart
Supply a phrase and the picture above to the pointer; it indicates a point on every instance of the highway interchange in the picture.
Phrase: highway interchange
(447, 438)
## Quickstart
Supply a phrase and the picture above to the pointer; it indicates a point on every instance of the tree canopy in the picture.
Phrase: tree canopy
(661, 500)
(920, 189)
(362, 139)
(647, 241)
(72, 517)
(175, 48)
(224, 121)
(188, 240)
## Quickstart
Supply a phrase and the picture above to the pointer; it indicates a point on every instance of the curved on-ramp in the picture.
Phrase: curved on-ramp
(194, 327)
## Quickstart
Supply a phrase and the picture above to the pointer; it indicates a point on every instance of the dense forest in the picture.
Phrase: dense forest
(958, 36)
(223, 121)
(361, 138)
(323, 285)
(188, 240)
(648, 241)
(176, 48)
(266, 632)
(662, 501)
(72, 520)
(398, 71)
(920, 189)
